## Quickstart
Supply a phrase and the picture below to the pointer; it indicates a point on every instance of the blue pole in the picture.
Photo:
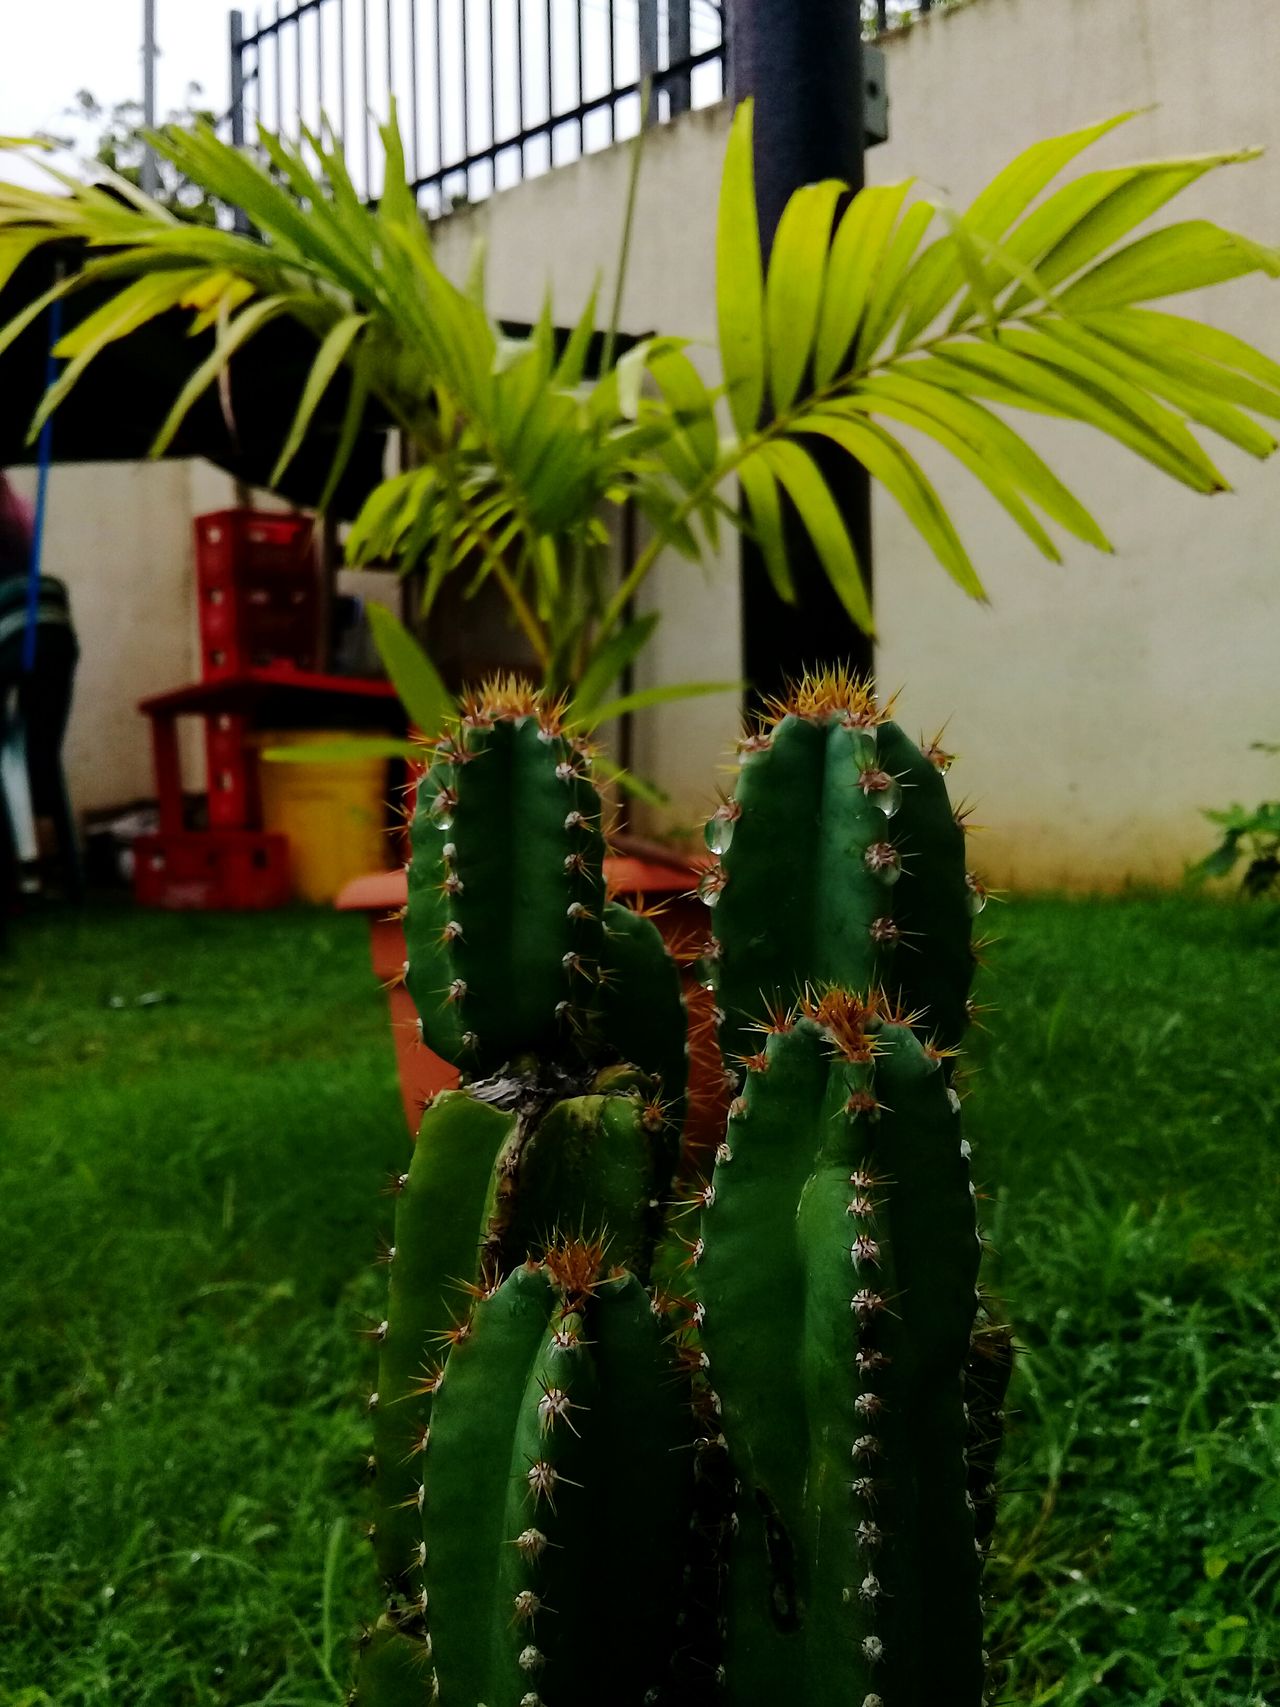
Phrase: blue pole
(44, 455)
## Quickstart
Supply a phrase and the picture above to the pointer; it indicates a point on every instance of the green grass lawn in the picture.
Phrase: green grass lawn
(189, 1210)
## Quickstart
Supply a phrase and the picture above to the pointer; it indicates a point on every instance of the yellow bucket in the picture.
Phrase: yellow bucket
(334, 813)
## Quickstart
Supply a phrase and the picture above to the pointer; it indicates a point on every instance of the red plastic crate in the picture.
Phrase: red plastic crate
(212, 870)
(233, 772)
(257, 584)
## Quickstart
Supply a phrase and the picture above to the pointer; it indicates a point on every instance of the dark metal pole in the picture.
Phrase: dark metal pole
(647, 26)
(803, 65)
(679, 48)
(237, 99)
(237, 79)
(150, 166)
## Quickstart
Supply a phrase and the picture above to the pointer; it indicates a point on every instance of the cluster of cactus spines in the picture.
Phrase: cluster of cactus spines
(840, 861)
(783, 1415)
(837, 1265)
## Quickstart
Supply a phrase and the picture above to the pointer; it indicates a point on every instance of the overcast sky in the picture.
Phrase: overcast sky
(51, 48)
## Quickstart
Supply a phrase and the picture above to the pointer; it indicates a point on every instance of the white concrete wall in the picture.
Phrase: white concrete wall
(1098, 705)
(119, 535)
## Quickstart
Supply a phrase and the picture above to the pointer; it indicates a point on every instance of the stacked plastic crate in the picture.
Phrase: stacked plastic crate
(257, 588)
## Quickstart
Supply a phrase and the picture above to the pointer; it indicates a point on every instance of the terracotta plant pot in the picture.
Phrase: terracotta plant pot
(640, 874)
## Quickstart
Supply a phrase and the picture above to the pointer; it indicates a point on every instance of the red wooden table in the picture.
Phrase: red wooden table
(269, 697)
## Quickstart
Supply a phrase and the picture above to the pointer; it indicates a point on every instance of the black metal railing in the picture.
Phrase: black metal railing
(488, 92)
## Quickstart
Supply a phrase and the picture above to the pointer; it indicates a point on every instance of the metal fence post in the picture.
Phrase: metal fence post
(679, 48)
(237, 80)
(237, 99)
(647, 24)
(803, 65)
(150, 166)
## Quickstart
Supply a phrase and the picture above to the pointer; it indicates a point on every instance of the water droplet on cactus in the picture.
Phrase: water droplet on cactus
(442, 808)
(881, 789)
(977, 892)
(711, 885)
(718, 830)
(937, 755)
(884, 861)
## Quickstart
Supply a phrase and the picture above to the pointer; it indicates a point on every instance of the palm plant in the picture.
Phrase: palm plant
(879, 312)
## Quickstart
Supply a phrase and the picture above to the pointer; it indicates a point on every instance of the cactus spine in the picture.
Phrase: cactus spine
(831, 1370)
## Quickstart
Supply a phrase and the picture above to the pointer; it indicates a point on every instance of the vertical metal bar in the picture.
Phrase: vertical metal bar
(440, 98)
(364, 95)
(150, 166)
(237, 99)
(493, 101)
(551, 90)
(278, 125)
(581, 95)
(647, 25)
(613, 73)
(519, 9)
(926, 5)
(237, 79)
(414, 105)
(257, 71)
(297, 65)
(679, 50)
(882, 14)
(466, 92)
(319, 66)
(342, 70)
(391, 82)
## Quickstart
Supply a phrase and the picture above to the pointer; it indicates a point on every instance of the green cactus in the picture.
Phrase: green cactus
(841, 861)
(453, 1164)
(506, 888)
(555, 1493)
(753, 1459)
(838, 1258)
(565, 1016)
